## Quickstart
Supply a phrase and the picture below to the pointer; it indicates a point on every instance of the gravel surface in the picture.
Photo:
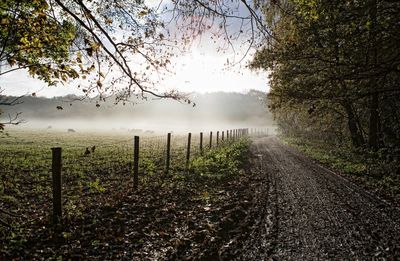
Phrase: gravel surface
(311, 213)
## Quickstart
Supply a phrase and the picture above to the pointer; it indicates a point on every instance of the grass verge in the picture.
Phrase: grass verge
(366, 169)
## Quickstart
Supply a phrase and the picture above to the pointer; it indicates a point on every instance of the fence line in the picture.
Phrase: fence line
(136, 163)
(168, 153)
(188, 150)
(172, 150)
(82, 171)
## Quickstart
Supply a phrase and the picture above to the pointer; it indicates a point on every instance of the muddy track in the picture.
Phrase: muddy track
(310, 213)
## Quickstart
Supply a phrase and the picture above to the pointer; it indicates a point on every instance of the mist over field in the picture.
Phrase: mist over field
(211, 111)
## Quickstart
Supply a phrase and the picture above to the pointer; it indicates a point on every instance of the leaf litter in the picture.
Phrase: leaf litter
(188, 219)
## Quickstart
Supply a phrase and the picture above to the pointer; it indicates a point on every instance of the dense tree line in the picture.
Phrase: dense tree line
(335, 71)
(219, 108)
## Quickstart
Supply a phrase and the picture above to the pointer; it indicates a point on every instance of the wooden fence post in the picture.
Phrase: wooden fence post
(217, 138)
(188, 150)
(210, 139)
(201, 143)
(136, 162)
(222, 136)
(168, 153)
(56, 176)
(227, 134)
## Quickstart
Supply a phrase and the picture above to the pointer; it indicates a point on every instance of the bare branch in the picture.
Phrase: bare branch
(119, 58)
(6, 101)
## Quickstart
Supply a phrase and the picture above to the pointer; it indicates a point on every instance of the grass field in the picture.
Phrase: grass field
(90, 181)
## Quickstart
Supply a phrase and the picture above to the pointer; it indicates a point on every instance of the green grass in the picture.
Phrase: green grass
(222, 162)
(369, 170)
(334, 157)
(96, 180)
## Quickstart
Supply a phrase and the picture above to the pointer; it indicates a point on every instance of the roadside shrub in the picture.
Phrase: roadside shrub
(222, 162)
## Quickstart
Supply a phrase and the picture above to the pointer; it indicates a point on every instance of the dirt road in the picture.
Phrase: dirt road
(311, 213)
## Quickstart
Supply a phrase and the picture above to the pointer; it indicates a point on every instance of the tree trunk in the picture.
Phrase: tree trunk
(357, 138)
(373, 123)
(374, 102)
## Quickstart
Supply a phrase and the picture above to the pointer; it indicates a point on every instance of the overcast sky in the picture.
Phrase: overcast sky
(201, 69)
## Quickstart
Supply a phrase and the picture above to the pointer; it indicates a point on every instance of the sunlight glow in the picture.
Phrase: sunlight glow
(197, 71)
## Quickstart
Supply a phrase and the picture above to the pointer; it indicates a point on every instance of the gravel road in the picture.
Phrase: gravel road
(311, 213)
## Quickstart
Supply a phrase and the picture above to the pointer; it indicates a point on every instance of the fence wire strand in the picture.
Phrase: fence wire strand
(92, 167)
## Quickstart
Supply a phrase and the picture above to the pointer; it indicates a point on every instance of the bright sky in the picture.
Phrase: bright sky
(197, 71)
(202, 69)
(205, 71)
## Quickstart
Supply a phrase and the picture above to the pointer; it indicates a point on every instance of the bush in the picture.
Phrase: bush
(222, 162)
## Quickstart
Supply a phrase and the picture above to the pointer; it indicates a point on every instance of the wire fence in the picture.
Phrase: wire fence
(43, 185)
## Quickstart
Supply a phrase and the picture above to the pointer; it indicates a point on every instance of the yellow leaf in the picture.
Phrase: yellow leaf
(143, 13)
(4, 21)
